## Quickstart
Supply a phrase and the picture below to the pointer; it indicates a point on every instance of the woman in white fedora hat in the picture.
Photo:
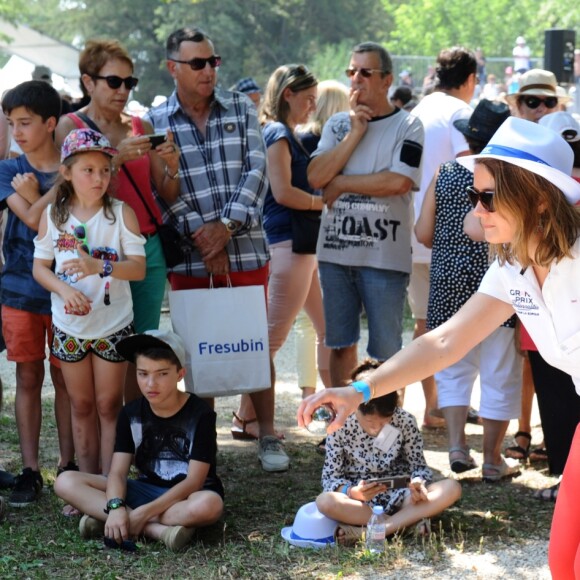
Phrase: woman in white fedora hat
(524, 197)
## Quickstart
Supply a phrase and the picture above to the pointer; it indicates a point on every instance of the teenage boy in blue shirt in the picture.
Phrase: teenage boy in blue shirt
(32, 109)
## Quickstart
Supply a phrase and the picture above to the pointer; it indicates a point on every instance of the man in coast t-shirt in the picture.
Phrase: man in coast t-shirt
(367, 163)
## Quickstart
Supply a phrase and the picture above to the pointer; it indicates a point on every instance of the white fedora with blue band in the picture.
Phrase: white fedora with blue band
(311, 529)
(535, 148)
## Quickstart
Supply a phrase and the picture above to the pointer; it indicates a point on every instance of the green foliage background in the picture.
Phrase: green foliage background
(255, 36)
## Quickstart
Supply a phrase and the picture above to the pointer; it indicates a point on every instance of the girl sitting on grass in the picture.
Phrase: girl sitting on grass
(95, 243)
(380, 440)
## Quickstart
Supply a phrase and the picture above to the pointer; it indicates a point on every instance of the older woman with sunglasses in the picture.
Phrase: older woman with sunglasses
(107, 77)
(537, 96)
(525, 198)
(289, 100)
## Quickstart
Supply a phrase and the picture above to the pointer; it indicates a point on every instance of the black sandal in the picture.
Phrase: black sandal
(538, 454)
(517, 451)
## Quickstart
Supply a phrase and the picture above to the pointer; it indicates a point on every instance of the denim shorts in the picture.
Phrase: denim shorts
(140, 492)
(347, 290)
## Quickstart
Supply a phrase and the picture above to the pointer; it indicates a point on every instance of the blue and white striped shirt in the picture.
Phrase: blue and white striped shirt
(222, 174)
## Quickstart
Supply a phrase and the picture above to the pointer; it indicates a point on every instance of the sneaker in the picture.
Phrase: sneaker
(272, 455)
(177, 537)
(91, 528)
(70, 466)
(27, 488)
(6, 480)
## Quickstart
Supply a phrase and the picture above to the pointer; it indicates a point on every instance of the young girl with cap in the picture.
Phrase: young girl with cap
(524, 196)
(95, 243)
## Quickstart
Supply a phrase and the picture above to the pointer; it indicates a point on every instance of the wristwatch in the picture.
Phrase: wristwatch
(231, 225)
(107, 269)
(114, 504)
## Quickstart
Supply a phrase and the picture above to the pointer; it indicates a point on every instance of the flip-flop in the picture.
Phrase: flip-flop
(240, 433)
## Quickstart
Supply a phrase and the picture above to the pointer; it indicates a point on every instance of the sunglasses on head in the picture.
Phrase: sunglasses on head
(364, 72)
(114, 82)
(483, 197)
(199, 63)
(534, 102)
(80, 233)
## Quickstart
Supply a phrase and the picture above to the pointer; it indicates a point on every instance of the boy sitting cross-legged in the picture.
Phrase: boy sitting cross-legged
(172, 438)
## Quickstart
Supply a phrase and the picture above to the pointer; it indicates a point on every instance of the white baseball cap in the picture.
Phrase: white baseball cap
(564, 124)
(533, 147)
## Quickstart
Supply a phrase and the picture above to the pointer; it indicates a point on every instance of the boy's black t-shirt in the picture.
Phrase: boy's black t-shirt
(163, 446)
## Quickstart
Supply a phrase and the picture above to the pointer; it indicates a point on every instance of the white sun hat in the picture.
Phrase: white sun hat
(533, 147)
(311, 529)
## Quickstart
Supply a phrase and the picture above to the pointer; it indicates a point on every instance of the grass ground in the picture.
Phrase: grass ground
(38, 542)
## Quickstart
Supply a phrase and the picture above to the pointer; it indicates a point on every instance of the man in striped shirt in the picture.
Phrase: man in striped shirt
(223, 182)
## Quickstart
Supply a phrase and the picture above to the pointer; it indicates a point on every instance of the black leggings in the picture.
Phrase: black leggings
(559, 407)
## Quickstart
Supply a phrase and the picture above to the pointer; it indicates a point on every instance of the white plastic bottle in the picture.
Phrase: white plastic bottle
(376, 531)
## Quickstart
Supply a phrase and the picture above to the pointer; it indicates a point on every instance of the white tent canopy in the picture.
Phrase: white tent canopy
(37, 48)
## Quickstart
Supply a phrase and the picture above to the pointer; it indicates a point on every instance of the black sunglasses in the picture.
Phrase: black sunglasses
(483, 197)
(199, 63)
(534, 102)
(364, 72)
(114, 82)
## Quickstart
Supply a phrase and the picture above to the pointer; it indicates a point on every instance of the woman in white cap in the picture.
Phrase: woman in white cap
(524, 197)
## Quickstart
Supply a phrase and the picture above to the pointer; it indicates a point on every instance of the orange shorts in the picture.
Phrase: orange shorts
(26, 335)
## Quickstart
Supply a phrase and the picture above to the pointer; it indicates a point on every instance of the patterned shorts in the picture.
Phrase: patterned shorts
(70, 349)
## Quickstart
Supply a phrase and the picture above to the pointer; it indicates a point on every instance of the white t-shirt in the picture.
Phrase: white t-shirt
(112, 307)
(521, 56)
(551, 315)
(365, 231)
(443, 142)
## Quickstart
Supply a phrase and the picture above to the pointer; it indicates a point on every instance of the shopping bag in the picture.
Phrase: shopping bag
(225, 331)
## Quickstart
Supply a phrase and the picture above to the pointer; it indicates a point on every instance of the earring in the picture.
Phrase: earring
(540, 226)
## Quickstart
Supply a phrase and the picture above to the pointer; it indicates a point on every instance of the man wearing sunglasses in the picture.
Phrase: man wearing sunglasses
(222, 188)
(367, 163)
(537, 96)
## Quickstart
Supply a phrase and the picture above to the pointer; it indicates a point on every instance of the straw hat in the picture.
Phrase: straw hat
(535, 148)
(540, 83)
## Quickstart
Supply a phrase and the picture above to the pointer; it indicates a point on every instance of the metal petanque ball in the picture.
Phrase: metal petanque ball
(321, 419)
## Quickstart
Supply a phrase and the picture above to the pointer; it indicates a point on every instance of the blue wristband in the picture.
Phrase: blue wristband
(362, 387)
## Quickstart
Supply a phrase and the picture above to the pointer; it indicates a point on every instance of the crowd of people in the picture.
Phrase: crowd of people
(337, 202)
